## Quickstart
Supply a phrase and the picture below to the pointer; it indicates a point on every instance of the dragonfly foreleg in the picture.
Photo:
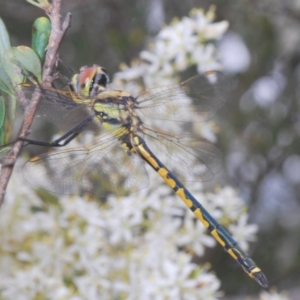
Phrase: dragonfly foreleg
(65, 138)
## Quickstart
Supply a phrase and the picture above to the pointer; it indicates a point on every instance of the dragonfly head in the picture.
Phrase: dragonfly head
(89, 81)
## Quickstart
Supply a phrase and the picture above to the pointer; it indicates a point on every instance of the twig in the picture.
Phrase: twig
(57, 32)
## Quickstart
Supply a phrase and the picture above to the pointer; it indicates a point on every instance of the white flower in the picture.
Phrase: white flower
(194, 235)
(182, 44)
(123, 248)
(228, 200)
(243, 232)
(272, 295)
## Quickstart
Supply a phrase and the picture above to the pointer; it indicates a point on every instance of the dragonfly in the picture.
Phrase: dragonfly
(131, 132)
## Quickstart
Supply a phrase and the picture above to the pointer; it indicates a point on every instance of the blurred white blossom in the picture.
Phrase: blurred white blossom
(76, 248)
(273, 295)
(184, 43)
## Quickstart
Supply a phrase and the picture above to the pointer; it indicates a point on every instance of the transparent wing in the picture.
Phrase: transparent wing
(105, 167)
(99, 168)
(190, 158)
(59, 108)
(193, 100)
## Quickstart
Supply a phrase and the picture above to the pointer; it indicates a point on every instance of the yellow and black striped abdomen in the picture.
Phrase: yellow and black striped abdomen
(216, 230)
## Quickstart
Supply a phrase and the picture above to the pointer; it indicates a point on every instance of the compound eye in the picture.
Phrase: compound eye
(101, 79)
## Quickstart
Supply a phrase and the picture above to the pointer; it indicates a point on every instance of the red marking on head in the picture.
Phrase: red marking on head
(87, 74)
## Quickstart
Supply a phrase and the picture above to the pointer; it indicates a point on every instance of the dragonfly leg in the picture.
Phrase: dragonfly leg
(65, 138)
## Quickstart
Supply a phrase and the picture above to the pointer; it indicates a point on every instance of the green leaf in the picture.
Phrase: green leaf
(40, 36)
(4, 38)
(11, 68)
(5, 83)
(4, 151)
(29, 61)
(2, 121)
(16, 62)
(7, 116)
(2, 111)
(21, 60)
(43, 4)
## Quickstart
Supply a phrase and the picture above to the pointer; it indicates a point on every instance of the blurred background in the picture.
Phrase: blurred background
(260, 125)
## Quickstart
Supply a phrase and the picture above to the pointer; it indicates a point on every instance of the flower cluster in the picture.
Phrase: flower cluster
(182, 44)
(122, 248)
(73, 249)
